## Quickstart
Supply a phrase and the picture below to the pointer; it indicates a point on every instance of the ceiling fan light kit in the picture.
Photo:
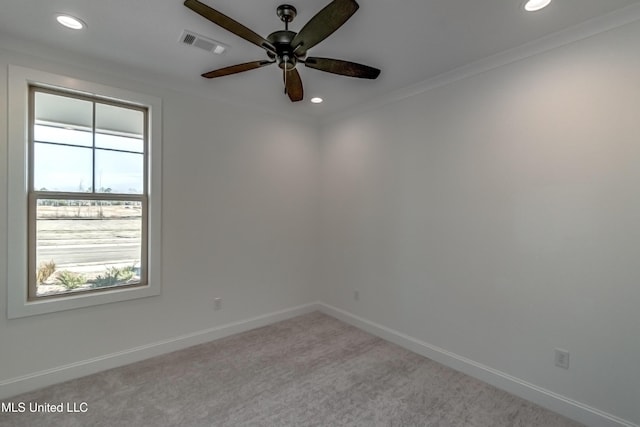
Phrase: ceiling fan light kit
(288, 48)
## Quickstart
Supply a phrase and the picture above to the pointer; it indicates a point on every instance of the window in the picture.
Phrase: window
(87, 194)
(84, 192)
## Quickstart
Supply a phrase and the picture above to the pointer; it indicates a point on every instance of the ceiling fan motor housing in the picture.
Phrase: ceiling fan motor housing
(285, 56)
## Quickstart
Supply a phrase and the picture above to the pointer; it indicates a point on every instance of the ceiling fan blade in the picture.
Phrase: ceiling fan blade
(236, 69)
(343, 68)
(293, 85)
(229, 24)
(323, 24)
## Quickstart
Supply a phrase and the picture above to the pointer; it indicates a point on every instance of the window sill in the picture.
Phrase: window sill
(23, 308)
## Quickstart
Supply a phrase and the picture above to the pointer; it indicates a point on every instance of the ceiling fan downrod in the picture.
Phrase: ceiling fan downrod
(286, 13)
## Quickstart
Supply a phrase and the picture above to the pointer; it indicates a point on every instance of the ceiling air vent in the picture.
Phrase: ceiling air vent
(196, 40)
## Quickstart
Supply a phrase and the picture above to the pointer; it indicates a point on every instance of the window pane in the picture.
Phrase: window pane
(118, 120)
(87, 244)
(118, 172)
(63, 110)
(61, 168)
(42, 133)
(115, 142)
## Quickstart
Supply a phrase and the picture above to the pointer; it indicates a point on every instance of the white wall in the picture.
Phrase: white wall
(239, 222)
(498, 217)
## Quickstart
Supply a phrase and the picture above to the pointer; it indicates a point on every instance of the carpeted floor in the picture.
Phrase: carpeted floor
(312, 370)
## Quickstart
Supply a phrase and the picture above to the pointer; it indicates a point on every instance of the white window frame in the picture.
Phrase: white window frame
(18, 304)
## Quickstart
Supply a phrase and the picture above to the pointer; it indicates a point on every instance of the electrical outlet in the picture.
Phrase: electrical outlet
(356, 295)
(217, 303)
(562, 358)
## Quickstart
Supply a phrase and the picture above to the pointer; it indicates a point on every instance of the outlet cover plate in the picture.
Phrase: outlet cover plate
(562, 358)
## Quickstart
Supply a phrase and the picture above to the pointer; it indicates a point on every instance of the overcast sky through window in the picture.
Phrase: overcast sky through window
(63, 161)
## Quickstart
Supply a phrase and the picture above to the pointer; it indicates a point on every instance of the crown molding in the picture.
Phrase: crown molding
(616, 19)
(590, 28)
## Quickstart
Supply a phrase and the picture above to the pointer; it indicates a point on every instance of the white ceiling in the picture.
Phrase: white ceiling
(410, 41)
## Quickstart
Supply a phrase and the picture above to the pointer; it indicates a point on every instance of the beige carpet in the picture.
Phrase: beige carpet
(312, 370)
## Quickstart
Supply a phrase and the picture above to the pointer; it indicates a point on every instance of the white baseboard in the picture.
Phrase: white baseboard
(545, 398)
(555, 402)
(36, 380)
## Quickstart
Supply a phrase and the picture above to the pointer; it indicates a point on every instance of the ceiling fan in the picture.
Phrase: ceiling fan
(287, 48)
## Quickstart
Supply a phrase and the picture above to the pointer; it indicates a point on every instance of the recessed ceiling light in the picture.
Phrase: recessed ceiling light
(316, 100)
(533, 5)
(70, 22)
